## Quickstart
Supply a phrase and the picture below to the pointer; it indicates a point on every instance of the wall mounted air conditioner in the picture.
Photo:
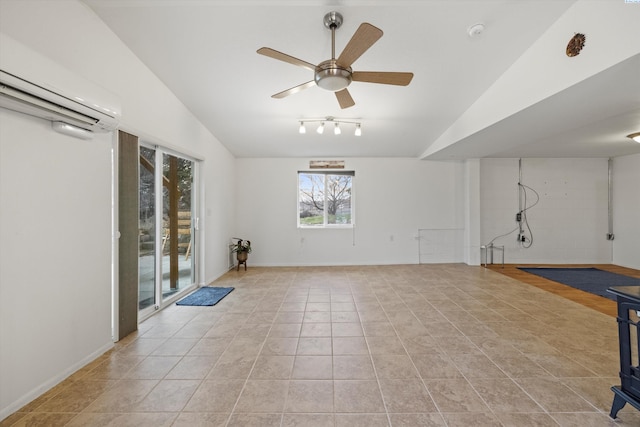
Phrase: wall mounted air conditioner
(33, 84)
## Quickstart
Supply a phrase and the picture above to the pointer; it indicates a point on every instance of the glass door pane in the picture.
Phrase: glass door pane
(178, 224)
(147, 230)
(166, 224)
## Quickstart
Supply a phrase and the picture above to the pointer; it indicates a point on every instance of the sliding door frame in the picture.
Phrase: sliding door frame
(160, 301)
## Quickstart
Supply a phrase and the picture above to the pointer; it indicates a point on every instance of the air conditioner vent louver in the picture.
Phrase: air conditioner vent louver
(17, 100)
(33, 84)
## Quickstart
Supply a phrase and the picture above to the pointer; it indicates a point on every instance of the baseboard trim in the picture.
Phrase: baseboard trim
(52, 382)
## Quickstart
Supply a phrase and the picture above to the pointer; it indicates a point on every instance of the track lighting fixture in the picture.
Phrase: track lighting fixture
(337, 129)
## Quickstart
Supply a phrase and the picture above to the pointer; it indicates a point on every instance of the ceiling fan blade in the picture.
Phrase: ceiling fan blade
(364, 37)
(294, 89)
(387, 78)
(271, 53)
(344, 99)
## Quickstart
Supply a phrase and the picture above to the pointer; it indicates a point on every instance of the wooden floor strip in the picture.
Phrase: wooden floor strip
(598, 303)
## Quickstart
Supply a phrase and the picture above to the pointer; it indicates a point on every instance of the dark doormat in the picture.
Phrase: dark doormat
(205, 296)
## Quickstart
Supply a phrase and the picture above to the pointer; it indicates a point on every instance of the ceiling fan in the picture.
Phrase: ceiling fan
(336, 74)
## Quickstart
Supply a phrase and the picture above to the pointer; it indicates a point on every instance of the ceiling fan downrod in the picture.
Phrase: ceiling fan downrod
(333, 21)
(329, 75)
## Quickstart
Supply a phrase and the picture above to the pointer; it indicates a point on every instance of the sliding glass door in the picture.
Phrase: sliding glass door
(167, 226)
(178, 224)
(147, 230)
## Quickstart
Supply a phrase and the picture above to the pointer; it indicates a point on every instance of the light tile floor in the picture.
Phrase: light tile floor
(415, 345)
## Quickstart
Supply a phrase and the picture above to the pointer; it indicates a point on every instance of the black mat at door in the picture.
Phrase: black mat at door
(205, 296)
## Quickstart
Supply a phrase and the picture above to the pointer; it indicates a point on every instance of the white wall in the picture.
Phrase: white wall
(626, 211)
(55, 215)
(394, 197)
(569, 223)
(55, 255)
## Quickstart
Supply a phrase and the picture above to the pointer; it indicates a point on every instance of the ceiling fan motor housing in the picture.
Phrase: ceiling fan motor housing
(331, 76)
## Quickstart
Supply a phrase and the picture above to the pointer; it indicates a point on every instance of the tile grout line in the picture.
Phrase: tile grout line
(235, 405)
(411, 359)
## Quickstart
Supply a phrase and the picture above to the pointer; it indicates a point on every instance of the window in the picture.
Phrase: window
(325, 199)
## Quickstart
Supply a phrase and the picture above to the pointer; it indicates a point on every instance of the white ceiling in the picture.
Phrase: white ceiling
(205, 52)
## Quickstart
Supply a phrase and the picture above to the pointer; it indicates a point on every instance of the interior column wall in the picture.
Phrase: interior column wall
(472, 212)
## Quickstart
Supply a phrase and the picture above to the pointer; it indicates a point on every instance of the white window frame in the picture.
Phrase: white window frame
(325, 223)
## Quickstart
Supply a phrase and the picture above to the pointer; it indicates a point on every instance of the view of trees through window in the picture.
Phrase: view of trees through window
(147, 187)
(324, 198)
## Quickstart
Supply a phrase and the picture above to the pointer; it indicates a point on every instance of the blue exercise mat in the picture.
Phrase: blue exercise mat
(592, 280)
(205, 296)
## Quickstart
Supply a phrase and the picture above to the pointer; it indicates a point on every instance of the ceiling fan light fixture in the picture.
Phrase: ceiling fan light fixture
(302, 129)
(635, 136)
(333, 83)
(358, 131)
(320, 129)
(331, 77)
(336, 129)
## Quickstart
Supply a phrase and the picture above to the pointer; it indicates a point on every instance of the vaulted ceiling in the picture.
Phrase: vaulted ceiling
(510, 91)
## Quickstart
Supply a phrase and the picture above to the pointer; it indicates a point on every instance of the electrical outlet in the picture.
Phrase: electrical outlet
(519, 217)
